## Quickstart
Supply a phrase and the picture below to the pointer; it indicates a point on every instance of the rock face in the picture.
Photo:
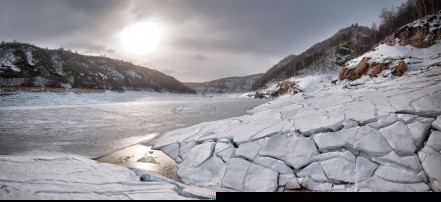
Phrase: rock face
(377, 70)
(400, 69)
(420, 34)
(373, 70)
(31, 66)
(356, 73)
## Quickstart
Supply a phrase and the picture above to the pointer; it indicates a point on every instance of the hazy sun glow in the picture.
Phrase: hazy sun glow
(141, 38)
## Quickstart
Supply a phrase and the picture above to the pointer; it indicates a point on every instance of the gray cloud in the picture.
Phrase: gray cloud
(240, 36)
(200, 57)
(88, 48)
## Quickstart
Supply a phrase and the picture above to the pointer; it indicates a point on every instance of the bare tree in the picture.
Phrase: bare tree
(424, 5)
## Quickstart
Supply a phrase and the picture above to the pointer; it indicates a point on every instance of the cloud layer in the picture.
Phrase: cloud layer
(204, 40)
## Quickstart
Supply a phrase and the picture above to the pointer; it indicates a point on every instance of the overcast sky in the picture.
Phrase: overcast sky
(201, 39)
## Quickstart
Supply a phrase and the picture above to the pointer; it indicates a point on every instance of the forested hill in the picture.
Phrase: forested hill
(31, 66)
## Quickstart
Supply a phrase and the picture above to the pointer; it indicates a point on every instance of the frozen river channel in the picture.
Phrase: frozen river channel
(96, 124)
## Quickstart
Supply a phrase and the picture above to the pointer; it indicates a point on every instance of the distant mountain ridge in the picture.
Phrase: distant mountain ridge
(30, 66)
(225, 85)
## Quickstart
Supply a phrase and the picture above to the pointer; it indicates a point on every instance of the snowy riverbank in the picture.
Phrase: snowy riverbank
(65, 176)
(47, 140)
(369, 136)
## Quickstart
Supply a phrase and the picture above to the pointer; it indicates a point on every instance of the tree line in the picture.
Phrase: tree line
(393, 18)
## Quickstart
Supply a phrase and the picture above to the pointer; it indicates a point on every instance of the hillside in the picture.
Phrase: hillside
(377, 133)
(225, 85)
(322, 58)
(31, 66)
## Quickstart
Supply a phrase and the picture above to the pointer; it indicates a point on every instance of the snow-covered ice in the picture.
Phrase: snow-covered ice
(47, 140)
(95, 124)
(65, 176)
(331, 138)
(371, 134)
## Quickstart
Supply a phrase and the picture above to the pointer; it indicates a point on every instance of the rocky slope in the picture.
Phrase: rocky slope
(323, 58)
(225, 85)
(371, 134)
(31, 66)
(414, 45)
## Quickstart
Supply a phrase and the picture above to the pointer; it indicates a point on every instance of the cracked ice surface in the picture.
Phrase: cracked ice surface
(377, 136)
(74, 177)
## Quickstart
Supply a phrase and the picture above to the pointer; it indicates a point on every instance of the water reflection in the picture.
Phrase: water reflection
(144, 158)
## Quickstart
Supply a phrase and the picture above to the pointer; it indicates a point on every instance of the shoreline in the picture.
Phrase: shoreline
(140, 156)
(56, 90)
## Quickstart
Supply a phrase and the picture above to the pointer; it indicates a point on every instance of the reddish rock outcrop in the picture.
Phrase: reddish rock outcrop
(352, 74)
(420, 34)
(377, 69)
(400, 69)
(419, 37)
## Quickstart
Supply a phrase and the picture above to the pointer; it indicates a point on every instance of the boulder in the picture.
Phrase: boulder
(377, 69)
(353, 74)
(400, 69)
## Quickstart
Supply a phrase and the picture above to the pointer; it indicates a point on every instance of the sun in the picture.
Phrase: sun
(141, 38)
